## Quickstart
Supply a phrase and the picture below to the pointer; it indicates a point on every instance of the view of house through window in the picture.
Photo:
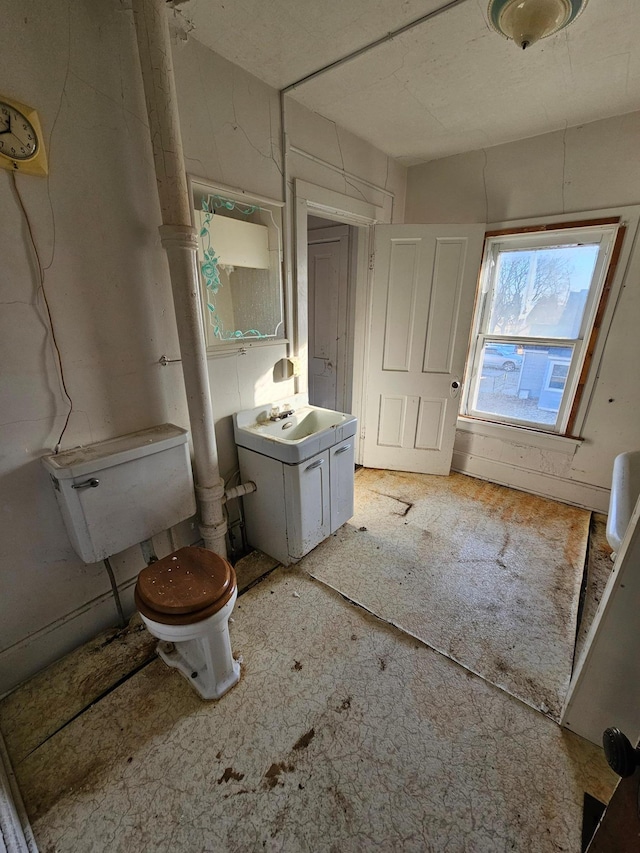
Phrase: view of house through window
(539, 294)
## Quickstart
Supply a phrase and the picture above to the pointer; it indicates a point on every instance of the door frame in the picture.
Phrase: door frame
(341, 234)
(313, 200)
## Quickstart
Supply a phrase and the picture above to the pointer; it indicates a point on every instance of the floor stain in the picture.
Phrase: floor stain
(304, 741)
(342, 802)
(230, 773)
(503, 549)
(121, 634)
(272, 776)
(279, 823)
(239, 793)
(297, 666)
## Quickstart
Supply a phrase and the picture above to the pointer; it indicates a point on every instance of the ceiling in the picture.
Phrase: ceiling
(446, 86)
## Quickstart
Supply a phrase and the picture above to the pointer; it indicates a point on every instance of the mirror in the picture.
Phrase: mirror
(239, 257)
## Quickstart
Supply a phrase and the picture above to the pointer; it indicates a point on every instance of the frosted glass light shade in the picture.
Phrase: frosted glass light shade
(528, 21)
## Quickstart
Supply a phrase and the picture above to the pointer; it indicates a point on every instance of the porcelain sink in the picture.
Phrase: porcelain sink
(305, 433)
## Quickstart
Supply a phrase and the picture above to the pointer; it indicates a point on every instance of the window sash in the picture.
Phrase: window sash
(604, 236)
(575, 366)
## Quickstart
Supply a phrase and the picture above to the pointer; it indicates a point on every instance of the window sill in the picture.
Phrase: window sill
(519, 435)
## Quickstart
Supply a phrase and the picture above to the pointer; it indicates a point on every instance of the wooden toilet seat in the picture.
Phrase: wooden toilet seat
(185, 587)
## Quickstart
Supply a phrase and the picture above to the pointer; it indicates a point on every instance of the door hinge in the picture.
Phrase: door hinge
(372, 258)
(362, 432)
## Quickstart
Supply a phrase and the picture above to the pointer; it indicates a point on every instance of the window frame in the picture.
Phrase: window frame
(611, 233)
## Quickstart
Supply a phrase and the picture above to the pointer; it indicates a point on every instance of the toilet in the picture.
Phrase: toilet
(116, 493)
(185, 600)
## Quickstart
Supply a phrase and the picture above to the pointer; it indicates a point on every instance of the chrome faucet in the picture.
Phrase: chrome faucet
(278, 415)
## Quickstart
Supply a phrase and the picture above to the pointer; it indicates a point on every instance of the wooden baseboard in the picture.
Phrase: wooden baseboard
(22, 660)
(562, 489)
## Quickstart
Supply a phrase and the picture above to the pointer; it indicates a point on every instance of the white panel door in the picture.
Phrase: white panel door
(423, 292)
(328, 280)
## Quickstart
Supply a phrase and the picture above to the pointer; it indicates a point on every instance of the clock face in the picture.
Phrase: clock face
(18, 138)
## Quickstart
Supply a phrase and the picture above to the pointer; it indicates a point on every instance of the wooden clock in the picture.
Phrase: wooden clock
(21, 140)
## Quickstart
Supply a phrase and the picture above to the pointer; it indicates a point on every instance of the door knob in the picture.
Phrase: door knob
(455, 384)
(620, 754)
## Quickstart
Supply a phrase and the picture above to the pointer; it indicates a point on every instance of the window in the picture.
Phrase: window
(541, 295)
(239, 259)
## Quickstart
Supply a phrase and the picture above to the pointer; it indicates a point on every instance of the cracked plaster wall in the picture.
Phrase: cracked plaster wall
(322, 138)
(574, 171)
(95, 224)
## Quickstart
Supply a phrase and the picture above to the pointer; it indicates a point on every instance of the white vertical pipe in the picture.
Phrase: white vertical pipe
(292, 304)
(179, 240)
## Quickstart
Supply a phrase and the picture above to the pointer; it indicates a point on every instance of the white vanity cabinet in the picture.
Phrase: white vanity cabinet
(295, 507)
(341, 470)
(307, 496)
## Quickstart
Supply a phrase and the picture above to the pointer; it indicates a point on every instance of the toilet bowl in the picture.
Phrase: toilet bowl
(185, 600)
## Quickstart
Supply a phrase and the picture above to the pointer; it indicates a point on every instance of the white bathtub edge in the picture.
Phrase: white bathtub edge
(625, 489)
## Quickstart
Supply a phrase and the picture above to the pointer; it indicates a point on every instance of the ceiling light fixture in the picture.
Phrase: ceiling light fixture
(528, 21)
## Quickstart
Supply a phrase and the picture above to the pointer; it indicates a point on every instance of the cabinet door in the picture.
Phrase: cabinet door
(342, 470)
(264, 509)
(308, 503)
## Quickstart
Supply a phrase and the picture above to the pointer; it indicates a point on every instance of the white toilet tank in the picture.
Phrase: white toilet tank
(116, 493)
